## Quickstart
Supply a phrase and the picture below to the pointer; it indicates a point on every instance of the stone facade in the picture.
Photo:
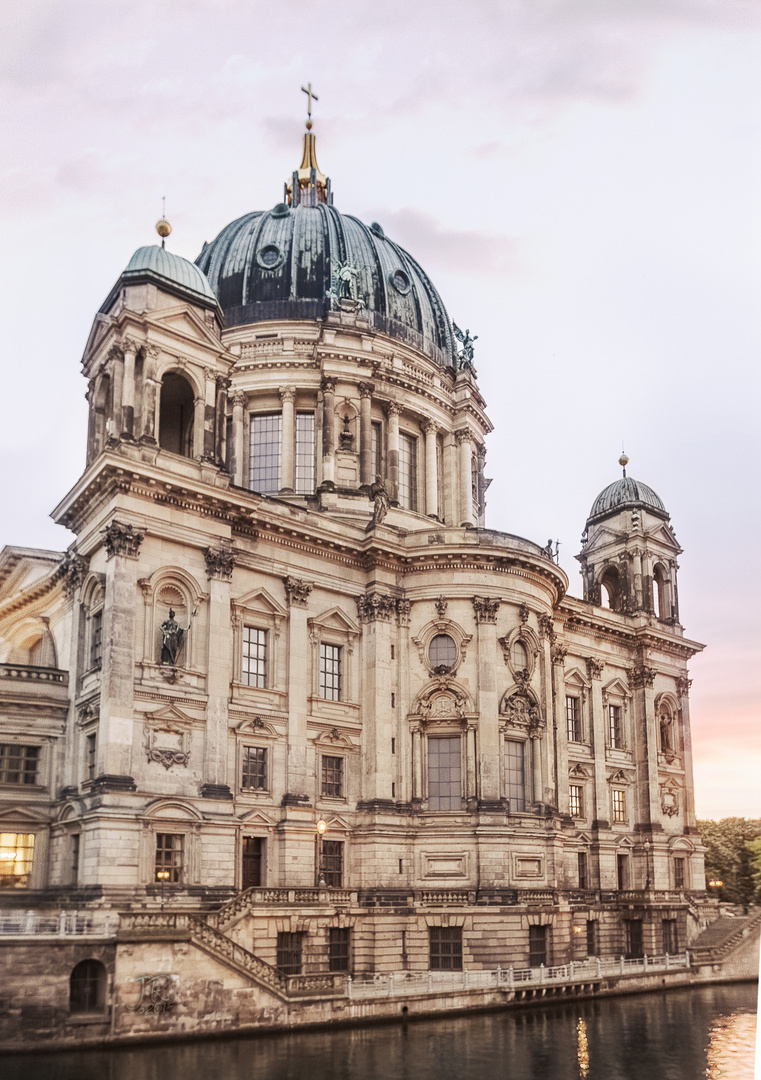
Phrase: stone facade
(283, 606)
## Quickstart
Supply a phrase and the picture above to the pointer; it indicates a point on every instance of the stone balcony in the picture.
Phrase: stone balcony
(22, 683)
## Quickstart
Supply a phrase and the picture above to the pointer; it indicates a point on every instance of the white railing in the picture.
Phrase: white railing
(58, 924)
(509, 978)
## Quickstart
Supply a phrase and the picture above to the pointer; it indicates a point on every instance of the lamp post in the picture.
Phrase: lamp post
(163, 877)
(321, 827)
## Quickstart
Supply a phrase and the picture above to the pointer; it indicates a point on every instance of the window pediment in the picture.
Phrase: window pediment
(576, 679)
(258, 602)
(334, 619)
(258, 727)
(616, 688)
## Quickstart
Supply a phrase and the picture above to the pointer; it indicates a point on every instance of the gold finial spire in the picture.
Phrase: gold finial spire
(623, 461)
(163, 228)
(308, 186)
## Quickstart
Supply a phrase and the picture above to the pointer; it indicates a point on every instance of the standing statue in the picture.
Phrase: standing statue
(172, 637)
(381, 501)
(466, 356)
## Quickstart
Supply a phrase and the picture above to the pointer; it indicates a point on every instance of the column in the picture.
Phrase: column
(417, 764)
(648, 808)
(558, 655)
(597, 723)
(117, 680)
(150, 394)
(208, 415)
(288, 444)
(431, 471)
(236, 455)
(219, 570)
(117, 374)
(392, 455)
(466, 477)
(220, 420)
(375, 613)
(685, 738)
(485, 609)
(638, 594)
(128, 388)
(300, 678)
(366, 477)
(328, 432)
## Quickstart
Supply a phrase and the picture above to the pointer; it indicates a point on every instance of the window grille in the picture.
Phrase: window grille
(330, 672)
(515, 776)
(572, 719)
(670, 936)
(519, 656)
(444, 773)
(616, 736)
(333, 863)
(622, 870)
(408, 472)
(265, 445)
(96, 639)
(18, 764)
(170, 851)
(339, 949)
(87, 986)
(537, 945)
(582, 864)
(253, 862)
(75, 841)
(254, 666)
(575, 800)
(678, 873)
(445, 948)
(442, 653)
(332, 777)
(289, 952)
(633, 938)
(304, 453)
(254, 776)
(91, 747)
(619, 806)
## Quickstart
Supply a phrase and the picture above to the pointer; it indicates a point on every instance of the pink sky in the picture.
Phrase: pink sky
(576, 176)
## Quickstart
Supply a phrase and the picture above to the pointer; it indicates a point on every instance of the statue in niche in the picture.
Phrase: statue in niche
(345, 438)
(172, 637)
(381, 501)
(667, 745)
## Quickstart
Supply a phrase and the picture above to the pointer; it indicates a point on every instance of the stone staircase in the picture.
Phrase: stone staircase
(724, 935)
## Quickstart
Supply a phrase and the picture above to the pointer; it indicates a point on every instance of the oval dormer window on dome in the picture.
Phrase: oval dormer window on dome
(442, 654)
(269, 257)
(401, 282)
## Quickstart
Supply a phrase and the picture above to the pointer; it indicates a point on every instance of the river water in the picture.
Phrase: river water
(673, 1035)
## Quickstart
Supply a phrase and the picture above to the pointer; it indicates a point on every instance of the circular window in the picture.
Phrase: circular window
(401, 282)
(269, 256)
(442, 653)
(519, 656)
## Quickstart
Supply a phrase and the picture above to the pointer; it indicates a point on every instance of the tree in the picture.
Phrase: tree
(730, 858)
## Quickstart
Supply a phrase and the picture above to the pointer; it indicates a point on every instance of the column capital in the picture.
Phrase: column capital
(394, 409)
(486, 608)
(287, 393)
(74, 571)
(297, 591)
(463, 435)
(430, 427)
(642, 676)
(594, 667)
(219, 563)
(559, 653)
(238, 399)
(683, 684)
(129, 344)
(328, 384)
(121, 539)
(366, 389)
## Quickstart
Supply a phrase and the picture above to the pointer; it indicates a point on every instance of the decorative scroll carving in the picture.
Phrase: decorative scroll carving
(403, 609)
(441, 606)
(522, 679)
(594, 667)
(219, 563)
(642, 676)
(519, 710)
(375, 606)
(486, 608)
(547, 628)
(297, 591)
(669, 800)
(559, 653)
(327, 384)
(122, 540)
(74, 571)
(443, 701)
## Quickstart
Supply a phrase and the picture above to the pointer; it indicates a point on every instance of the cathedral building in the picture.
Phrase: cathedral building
(287, 679)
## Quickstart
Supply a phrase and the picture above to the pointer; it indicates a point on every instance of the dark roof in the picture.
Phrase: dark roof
(626, 492)
(167, 270)
(282, 264)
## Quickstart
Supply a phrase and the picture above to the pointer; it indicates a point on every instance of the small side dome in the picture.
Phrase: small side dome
(626, 492)
(170, 271)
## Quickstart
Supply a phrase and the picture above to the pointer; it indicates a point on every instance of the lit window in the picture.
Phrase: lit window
(572, 719)
(442, 653)
(254, 776)
(16, 851)
(444, 773)
(304, 453)
(96, 639)
(616, 736)
(18, 764)
(408, 472)
(515, 776)
(254, 667)
(575, 804)
(170, 851)
(519, 656)
(445, 948)
(339, 948)
(266, 438)
(330, 672)
(619, 805)
(333, 863)
(332, 777)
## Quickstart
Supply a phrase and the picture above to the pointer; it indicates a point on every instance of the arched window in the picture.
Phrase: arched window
(87, 987)
(659, 593)
(519, 655)
(610, 589)
(442, 653)
(176, 415)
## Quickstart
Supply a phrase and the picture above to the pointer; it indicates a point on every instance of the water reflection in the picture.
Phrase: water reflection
(668, 1036)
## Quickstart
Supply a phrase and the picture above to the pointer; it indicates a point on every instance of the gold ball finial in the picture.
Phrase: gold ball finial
(623, 460)
(163, 228)
(310, 125)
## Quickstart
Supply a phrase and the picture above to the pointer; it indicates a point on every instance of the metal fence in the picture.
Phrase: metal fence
(58, 923)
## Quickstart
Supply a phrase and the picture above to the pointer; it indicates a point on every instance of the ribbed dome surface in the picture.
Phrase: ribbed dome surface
(284, 264)
(625, 492)
(155, 260)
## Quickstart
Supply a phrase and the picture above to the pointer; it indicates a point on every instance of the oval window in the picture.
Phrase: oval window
(442, 653)
(269, 256)
(400, 281)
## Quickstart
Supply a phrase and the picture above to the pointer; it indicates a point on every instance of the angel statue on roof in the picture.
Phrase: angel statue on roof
(465, 357)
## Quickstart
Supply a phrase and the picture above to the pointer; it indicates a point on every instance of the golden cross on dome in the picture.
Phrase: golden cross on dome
(310, 98)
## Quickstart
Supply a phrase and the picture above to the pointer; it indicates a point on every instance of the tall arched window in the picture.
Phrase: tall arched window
(87, 987)
(610, 589)
(176, 415)
(660, 602)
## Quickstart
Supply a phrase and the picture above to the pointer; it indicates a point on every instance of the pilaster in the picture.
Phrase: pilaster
(366, 477)
(485, 610)
(597, 728)
(219, 570)
(376, 612)
(297, 593)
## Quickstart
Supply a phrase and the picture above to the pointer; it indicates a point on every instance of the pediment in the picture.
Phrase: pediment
(584, 838)
(576, 677)
(618, 776)
(335, 619)
(337, 824)
(183, 319)
(579, 772)
(171, 714)
(24, 813)
(172, 809)
(256, 819)
(334, 738)
(256, 726)
(662, 534)
(100, 331)
(616, 688)
(625, 842)
(259, 600)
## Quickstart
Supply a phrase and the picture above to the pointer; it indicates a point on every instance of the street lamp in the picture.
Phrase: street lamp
(321, 827)
(163, 877)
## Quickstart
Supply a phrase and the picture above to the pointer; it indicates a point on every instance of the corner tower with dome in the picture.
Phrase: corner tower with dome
(286, 701)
